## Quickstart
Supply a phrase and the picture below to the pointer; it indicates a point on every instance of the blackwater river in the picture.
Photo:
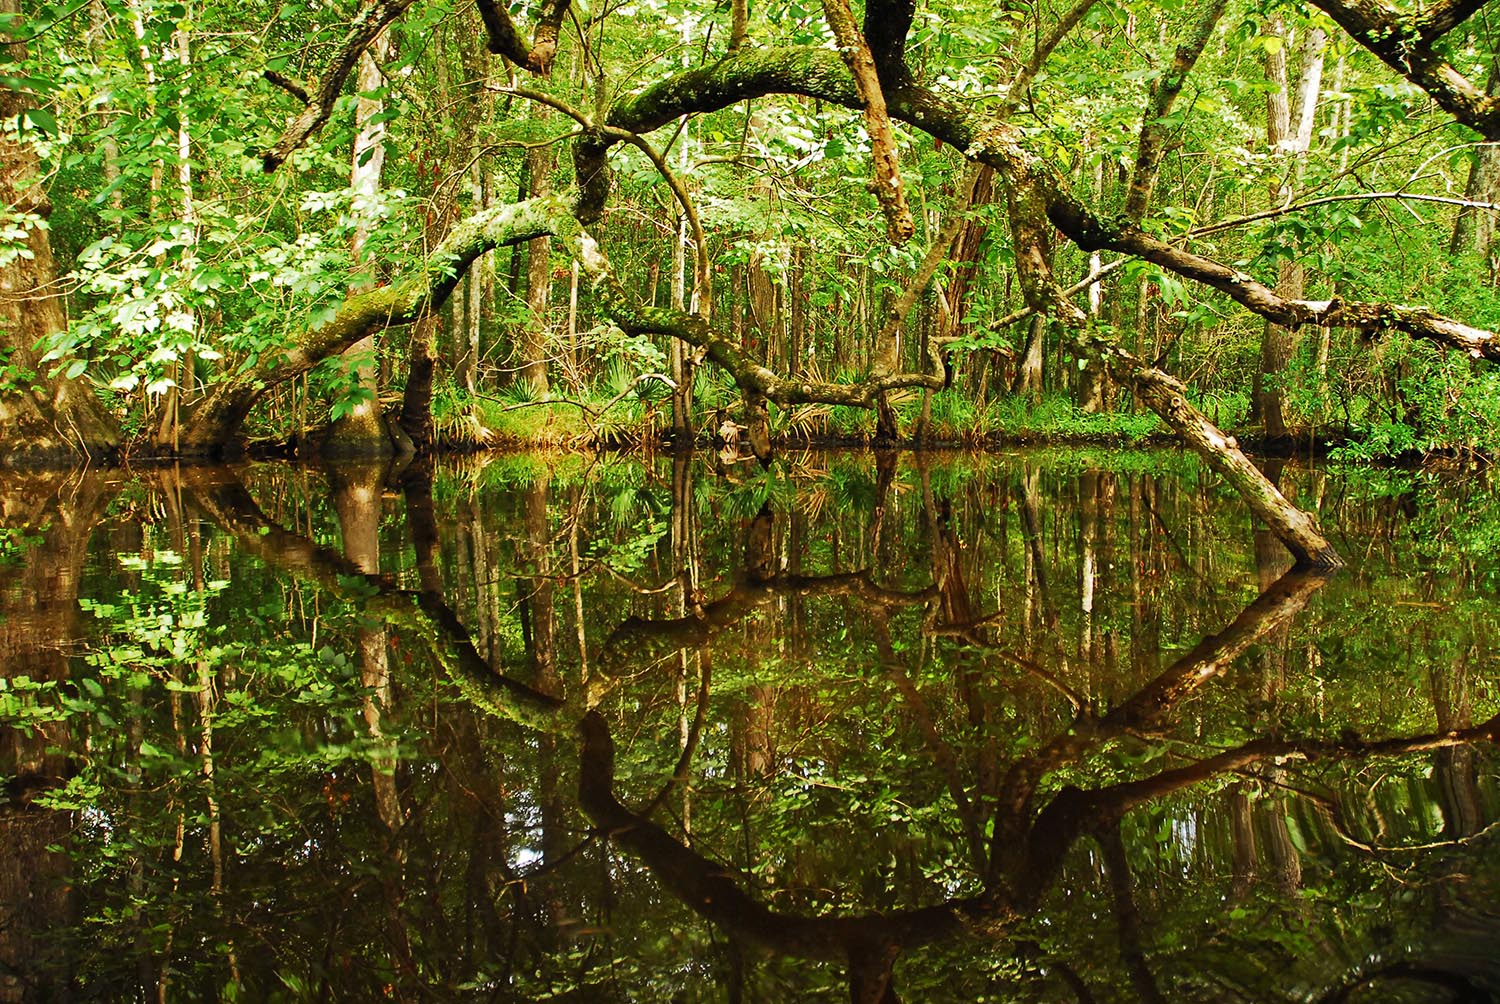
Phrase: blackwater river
(1053, 726)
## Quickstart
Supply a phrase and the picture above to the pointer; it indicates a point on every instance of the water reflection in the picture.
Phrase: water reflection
(996, 728)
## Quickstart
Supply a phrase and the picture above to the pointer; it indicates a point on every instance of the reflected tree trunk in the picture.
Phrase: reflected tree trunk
(357, 500)
(1128, 924)
(39, 622)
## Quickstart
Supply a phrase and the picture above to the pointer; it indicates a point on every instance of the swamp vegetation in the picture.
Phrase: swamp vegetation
(625, 719)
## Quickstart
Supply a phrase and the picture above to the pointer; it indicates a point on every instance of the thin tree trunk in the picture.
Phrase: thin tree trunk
(1289, 124)
(1474, 229)
(539, 160)
(361, 432)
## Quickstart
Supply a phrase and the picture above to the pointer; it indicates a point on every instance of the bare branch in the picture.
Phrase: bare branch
(287, 84)
(1021, 82)
(1153, 133)
(703, 280)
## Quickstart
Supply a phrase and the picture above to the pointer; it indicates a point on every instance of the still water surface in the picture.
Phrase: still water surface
(1045, 727)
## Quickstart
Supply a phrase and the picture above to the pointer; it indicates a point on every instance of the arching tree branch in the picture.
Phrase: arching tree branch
(1406, 46)
(215, 421)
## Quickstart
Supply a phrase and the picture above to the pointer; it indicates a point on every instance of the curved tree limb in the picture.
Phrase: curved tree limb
(703, 284)
(886, 183)
(1405, 45)
(817, 73)
(1446, 15)
(505, 40)
(368, 23)
(214, 421)
(748, 374)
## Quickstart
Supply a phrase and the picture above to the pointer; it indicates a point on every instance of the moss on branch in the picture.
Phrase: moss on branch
(214, 422)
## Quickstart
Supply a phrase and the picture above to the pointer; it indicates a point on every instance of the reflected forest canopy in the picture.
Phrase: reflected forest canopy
(1019, 727)
(684, 501)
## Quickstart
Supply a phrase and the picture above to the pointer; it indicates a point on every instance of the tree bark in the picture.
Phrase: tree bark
(1289, 124)
(886, 183)
(362, 431)
(45, 418)
(540, 160)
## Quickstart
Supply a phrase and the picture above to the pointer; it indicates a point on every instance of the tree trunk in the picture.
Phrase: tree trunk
(1028, 381)
(539, 162)
(1474, 229)
(1093, 379)
(361, 432)
(1289, 124)
(43, 419)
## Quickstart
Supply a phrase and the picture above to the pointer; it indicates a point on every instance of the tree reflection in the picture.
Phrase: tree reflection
(504, 833)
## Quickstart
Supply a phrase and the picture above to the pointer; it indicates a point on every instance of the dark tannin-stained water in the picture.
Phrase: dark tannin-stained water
(1055, 726)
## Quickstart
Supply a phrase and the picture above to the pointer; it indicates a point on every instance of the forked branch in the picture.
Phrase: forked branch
(367, 25)
(505, 40)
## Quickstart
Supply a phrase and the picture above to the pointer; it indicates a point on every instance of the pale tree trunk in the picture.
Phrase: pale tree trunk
(98, 28)
(180, 370)
(481, 277)
(681, 357)
(1474, 229)
(361, 432)
(47, 419)
(1093, 379)
(1028, 382)
(1289, 126)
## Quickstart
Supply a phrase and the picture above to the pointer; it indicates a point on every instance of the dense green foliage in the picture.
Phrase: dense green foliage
(186, 265)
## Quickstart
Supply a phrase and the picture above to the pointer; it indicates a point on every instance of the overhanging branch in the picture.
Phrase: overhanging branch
(368, 23)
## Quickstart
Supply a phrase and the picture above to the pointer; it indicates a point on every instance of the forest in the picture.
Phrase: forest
(410, 226)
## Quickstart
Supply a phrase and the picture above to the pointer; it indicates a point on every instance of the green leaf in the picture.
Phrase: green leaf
(41, 120)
